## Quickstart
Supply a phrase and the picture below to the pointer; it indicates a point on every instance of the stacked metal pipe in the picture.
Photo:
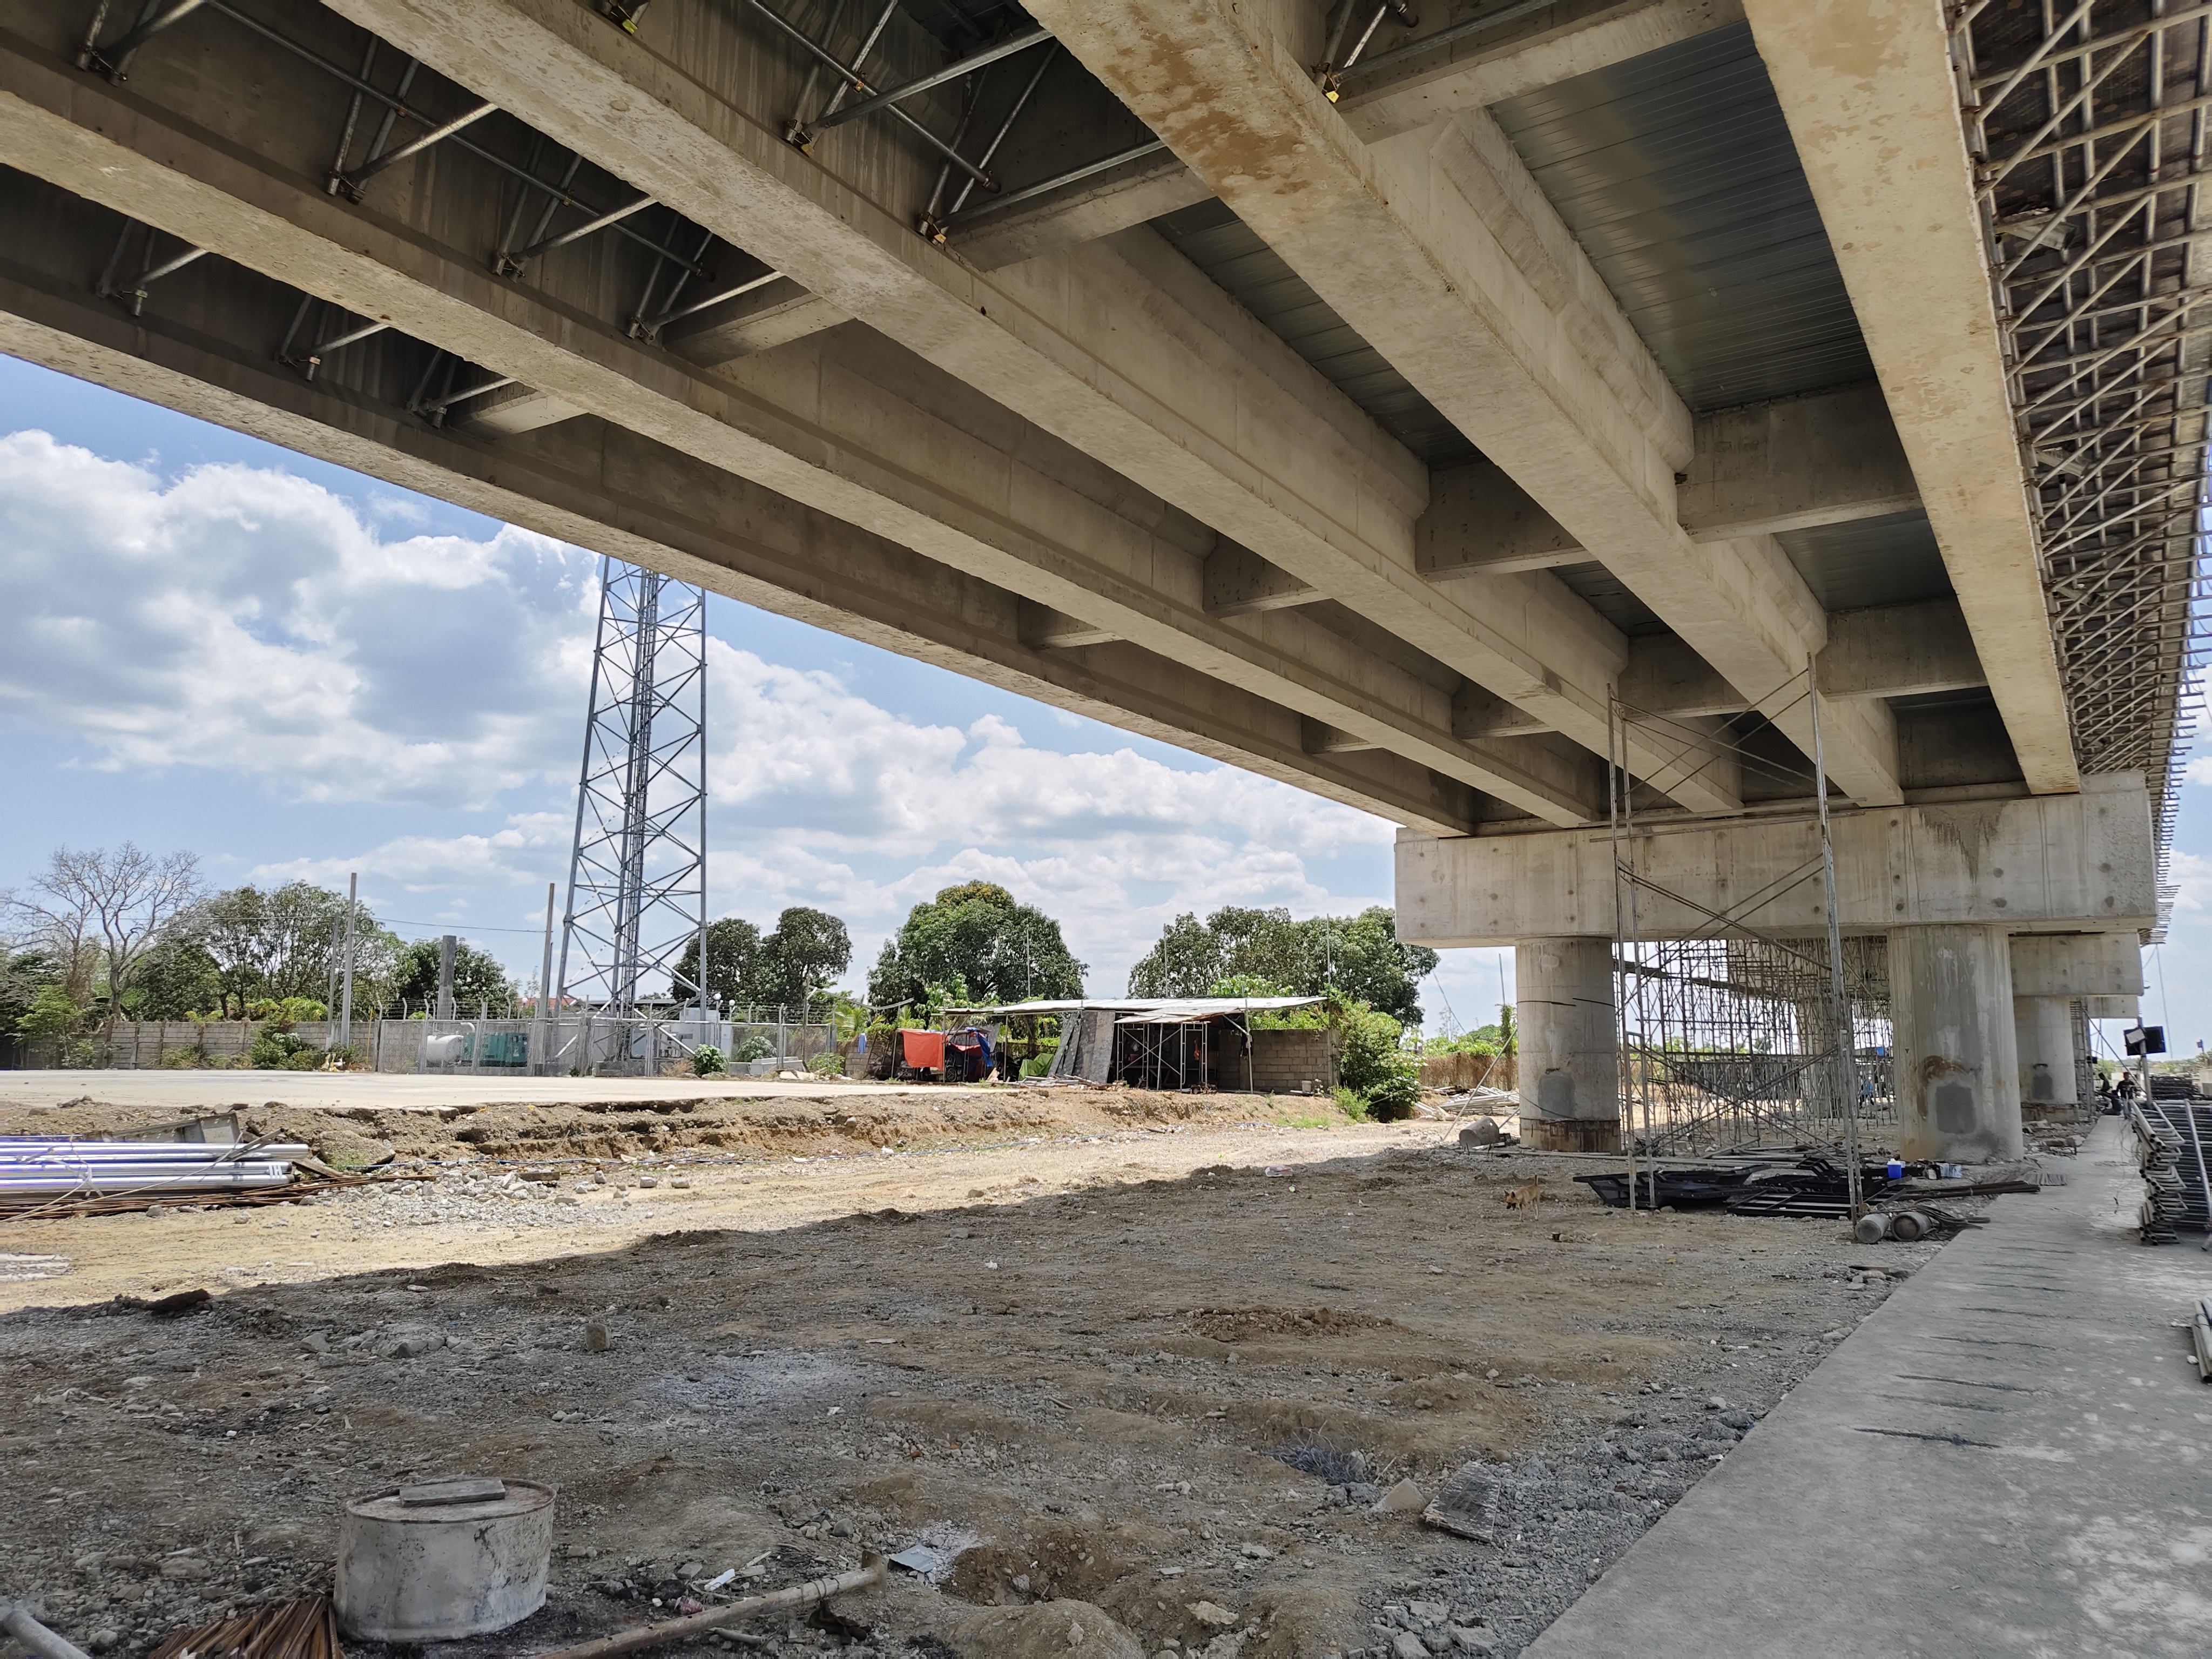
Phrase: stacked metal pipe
(34, 1167)
(2174, 1147)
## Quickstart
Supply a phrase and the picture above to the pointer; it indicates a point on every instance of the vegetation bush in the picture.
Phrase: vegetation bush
(1372, 1062)
(1393, 1098)
(754, 1047)
(707, 1061)
(1351, 1102)
(285, 1012)
(276, 1048)
(826, 1064)
(53, 1015)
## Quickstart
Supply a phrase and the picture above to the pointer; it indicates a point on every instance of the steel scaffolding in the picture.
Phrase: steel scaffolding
(2087, 123)
(1733, 1037)
(637, 877)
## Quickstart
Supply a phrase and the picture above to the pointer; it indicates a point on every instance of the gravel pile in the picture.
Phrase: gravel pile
(1547, 1527)
(485, 1200)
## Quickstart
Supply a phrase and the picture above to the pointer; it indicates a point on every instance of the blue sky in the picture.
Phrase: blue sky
(294, 670)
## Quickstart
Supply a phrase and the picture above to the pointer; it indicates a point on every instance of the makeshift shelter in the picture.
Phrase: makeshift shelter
(1181, 1042)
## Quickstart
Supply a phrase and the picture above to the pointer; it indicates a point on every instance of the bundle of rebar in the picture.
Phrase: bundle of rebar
(2174, 1147)
(303, 1628)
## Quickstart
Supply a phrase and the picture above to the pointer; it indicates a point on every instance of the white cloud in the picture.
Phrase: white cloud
(439, 863)
(252, 623)
(247, 620)
(825, 788)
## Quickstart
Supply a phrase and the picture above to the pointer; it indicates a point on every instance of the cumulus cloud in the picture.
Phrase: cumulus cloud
(828, 789)
(250, 623)
(247, 620)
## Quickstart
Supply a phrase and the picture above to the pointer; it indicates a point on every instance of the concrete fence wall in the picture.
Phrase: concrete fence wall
(488, 1047)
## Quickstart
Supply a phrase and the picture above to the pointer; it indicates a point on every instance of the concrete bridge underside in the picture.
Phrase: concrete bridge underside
(1426, 412)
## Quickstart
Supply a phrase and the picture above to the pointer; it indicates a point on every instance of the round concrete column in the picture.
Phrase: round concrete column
(2043, 1028)
(1825, 1081)
(1570, 1073)
(1957, 1058)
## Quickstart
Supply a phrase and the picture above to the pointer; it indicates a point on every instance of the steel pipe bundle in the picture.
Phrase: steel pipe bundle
(35, 1167)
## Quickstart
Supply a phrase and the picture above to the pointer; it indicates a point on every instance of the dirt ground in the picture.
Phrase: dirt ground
(1138, 1367)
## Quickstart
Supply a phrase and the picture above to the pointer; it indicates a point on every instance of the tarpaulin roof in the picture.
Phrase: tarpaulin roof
(1149, 1010)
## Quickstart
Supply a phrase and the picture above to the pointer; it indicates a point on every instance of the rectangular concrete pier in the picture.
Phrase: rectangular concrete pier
(2012, 1455)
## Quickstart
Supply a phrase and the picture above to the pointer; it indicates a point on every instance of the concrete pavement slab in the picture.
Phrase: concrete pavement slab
(2012, 1455)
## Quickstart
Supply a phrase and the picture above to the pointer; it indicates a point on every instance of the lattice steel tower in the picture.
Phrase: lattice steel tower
(637, 878)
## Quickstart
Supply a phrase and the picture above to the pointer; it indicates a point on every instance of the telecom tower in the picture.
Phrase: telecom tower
(637, 878)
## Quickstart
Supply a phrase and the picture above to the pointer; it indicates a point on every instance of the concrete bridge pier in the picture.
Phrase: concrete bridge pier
(1957, 1059)
(1569, 1036)
(2038, 897)
(2043, 1029)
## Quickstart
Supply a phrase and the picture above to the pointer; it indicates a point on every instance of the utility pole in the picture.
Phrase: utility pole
(445, 976)
(345, 995)
(541, 1034)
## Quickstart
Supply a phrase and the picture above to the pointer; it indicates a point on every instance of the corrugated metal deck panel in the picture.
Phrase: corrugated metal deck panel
(1891, 560)
(1610, 600)
(1677, 172)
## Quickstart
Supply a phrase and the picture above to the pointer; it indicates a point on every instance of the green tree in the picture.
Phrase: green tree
(54, 1014)
(287, 942)
(1363, 960)
(975, 936)
(478, 978)
(808, 949)
(1358, 957)
(23, 974)
(791, 967)
(733, 964)
(229, 928)
(1185, 963)
(179, 978)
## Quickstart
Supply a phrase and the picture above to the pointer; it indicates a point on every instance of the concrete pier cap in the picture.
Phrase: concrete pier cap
(2039, 898)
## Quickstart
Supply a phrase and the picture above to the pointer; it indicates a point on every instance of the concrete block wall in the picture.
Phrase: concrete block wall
(1285, 1062)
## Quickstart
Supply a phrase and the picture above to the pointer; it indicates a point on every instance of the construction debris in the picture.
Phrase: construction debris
(302, 1629)
(676, 1630)
(2200, 1332)
(20, 1621)
(1810, 1185)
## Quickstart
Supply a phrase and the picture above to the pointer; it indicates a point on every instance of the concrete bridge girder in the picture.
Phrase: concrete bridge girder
(1564, 679)
(1870, 99)
(1438, 247)
(1529, 621)
(1162, 378)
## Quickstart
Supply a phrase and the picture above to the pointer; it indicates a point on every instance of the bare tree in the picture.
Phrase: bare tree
(104, 909)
